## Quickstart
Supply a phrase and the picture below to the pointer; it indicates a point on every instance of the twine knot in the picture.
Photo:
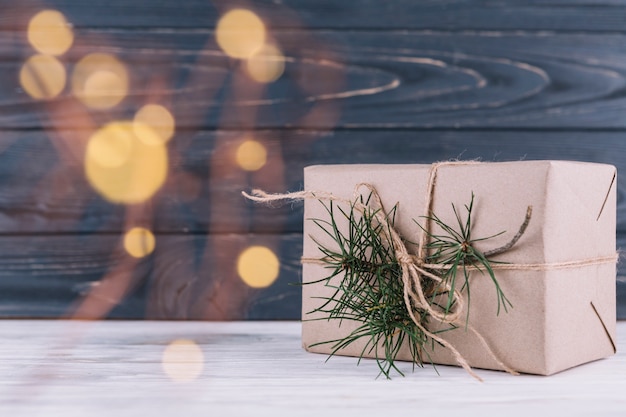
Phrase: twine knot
(405, 258)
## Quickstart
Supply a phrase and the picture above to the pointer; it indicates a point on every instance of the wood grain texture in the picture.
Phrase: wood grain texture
(187, 277)
(366, 81)
(44, 191)
(572, 15)
(70, 369)
(349, 79)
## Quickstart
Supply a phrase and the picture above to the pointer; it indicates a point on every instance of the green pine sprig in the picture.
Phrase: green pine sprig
(455, 249)
(370, 289)
(366, 279)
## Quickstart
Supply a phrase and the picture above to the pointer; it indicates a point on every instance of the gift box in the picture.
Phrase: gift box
(563, 296)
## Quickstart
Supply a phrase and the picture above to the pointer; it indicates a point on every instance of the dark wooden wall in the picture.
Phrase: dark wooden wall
(366, 81)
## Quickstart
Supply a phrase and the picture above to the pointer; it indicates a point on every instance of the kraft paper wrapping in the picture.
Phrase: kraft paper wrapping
(560, 318)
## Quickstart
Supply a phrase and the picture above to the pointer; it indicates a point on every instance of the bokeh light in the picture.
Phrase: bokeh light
(258, 266)
(158, 118)
(183, 360)
(240, 33)
(100, 81)
(251, 155)
(267, 65)
(50, 33)
(139, 242)
(112, 146)
(122, 167)
(43, 77)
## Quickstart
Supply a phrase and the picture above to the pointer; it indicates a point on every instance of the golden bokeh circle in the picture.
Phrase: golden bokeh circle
(50, 33)
(251, 155)
(182, 360)
(43, 77)
(158, 118)
(100, 81)
(111, 147)
(240, 33)
(123, 168)
(258, 266)
(139, 242)
(267, 65)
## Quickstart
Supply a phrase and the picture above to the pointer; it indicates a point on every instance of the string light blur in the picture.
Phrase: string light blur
(158, 118)
(139, 242)
(50, 33)
(240, 33)
(251, 155)
(43, 77)
(100, 81)
(182, 360)
(267, 65)
(111, 147)
(258, 266)
(123, 167)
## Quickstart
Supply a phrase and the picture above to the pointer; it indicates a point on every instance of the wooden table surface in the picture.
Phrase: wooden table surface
(125, 368)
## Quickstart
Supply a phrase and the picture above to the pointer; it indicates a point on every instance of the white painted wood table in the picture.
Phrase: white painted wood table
(115, 368)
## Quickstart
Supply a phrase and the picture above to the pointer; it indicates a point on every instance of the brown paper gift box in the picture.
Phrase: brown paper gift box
(560, 318)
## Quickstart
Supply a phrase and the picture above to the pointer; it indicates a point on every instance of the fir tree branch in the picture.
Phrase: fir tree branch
(367, 285)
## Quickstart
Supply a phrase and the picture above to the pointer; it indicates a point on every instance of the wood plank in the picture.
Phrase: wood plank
(43, 188)
(399, 79)
(187, 277)
(73, 369)
(573, 15)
